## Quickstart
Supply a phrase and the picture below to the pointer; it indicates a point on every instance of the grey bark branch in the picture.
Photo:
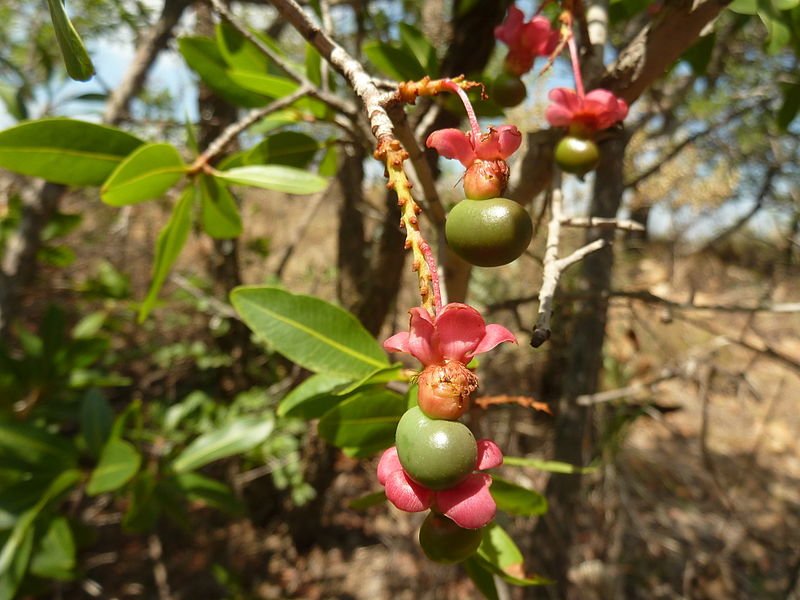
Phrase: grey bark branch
(152, 42)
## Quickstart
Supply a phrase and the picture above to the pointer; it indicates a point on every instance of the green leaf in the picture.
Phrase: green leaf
(36, 447)
(64, 150)
(220, 215)
(367, 501)
(119, 462)
(147, 173)
(415, 41)
(239, 52)
(553, 466)
(275, 177)
(144, 508)
(210, 492)
(777, 26)
(744, 7)
(313, 65)
(329, 164)
(790, 107)
(367, 419)
(271, 86)
(19, 543)
(16, 566)
(699, 54)
(12, 98)
(289, 148)
(56, 256)
(168, 247)
(481, 577)
(313, 397)
(381, 375)
(309, 331)
(234, 438)
(54, 553)
(76, 59)
(500, 554)
(203, 56)
(516, 499)
(785, 4)
(398, 63)
(96, 420)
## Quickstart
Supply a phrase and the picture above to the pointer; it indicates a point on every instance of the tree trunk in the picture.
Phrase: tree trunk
(575, 441)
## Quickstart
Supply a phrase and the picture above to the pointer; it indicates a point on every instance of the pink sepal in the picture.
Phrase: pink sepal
(489, 455)
(397, 343)
(460, 329)
(494, 335)
(500, 143)
(452, 143)
(469, 504)
(422, 342)
(388, 464)
(405, 494)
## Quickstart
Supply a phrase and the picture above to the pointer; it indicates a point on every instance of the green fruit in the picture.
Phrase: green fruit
(435, 453)
(445, 542)
(508, 90)
(488, 233)
(576, 155)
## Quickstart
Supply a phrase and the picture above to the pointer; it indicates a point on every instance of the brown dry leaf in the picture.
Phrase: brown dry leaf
(487, 401)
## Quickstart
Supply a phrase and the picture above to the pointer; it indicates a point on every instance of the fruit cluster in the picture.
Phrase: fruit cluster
(436, 463)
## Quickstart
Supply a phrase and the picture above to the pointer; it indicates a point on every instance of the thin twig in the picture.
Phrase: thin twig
(553, 267)
(311, 211)
(233, 130)
(372, 98)
(604, 222)
(216, 306)
(336, 102)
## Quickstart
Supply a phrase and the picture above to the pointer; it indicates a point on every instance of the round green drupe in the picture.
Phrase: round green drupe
(508, 90)
(436, 453)
(488, 233)
(576, 155)
(445, 542)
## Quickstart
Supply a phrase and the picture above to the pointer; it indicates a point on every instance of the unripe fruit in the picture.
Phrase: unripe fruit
(435, 453)
(508, 90)
(445, 542)
(576, 155)
(444, 390)
(488, 233)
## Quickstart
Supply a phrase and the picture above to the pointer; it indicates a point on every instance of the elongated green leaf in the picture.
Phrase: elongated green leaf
(790, 107)
(275, 177)
(168, 247)
(309, 331)
(41, 450)
(203, 56)
(366, 419)
(147, 173)
(96, 419)
(481, 577)
(220, 215)
(500, 554)
(12, 98)
(16, 566)
(381, 375)
(415, 42)
(744, 7)
(238, 52)
(234, 438)
(210, 492)
(54, 553)
(76, 59)
(119, 462)
(312, 398)
(20, 541)
(144, 508)
(516, 499)
(553, 466)
(64, 150)
(289, 148)
(399, 63)
(367, 501)
(271, 86)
